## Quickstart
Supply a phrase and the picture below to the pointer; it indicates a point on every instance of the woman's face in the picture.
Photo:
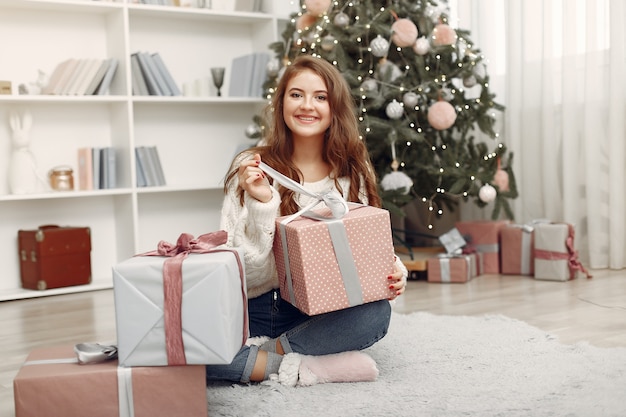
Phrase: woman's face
(306, 109)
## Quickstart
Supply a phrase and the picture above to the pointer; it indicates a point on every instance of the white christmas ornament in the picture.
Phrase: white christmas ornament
(342, 20)
(487, 193)
(396, 180)
(369, 84)
(379, 46)
(394, 110)
(421, 46)
(410, 99)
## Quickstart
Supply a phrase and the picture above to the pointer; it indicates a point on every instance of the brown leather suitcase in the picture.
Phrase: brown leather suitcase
(53, 257)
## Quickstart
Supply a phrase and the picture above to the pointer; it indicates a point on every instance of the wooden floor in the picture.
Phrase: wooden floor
(580, 310)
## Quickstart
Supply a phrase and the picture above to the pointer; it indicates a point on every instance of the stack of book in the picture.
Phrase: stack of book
(97, 168)
(150, 76)
(82, 77)
(149, 169)
(248, 74)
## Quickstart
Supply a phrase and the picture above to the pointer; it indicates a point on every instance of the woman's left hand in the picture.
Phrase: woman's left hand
(397, 282)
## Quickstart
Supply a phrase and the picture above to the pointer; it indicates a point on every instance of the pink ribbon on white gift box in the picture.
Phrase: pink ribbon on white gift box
(571, 255)
(173, 285)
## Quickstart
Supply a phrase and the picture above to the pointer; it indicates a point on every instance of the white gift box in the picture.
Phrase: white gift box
(556, 259)
(213, 309)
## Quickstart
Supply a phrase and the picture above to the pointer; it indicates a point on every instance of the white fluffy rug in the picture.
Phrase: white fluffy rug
(453, 366)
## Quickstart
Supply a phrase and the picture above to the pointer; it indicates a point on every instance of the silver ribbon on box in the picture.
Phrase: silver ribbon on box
(339, 208)
(93, 353)
(452, 240)
(444, 264)
(525, 256)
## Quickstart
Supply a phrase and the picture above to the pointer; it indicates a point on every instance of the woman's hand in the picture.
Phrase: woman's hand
(253, 181)
(397, 282)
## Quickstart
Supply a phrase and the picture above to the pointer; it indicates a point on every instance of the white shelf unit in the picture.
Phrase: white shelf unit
(196, 137)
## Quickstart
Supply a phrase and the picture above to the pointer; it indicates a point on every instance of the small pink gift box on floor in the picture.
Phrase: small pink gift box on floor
(454, 268)
(517, 249)
(484, 236)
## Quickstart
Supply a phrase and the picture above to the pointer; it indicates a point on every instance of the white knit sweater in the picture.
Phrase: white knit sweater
(252, 227)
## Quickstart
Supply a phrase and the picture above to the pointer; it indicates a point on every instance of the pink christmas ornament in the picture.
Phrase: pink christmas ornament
(501, 179)
(441, 115)
(403, 33)
(317, 7)
(305, 21)
(443, 35)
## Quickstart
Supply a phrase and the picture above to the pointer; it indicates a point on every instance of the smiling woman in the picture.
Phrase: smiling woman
(314, 140)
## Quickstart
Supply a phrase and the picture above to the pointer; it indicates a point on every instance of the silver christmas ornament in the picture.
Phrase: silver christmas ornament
(379, 46)
(369, 84)
(394, 110)
(342, 20)
(469, 82)
(273, 66)
(253, 131)
(410, 99)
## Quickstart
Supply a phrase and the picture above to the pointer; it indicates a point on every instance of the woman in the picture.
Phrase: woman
(314, 140)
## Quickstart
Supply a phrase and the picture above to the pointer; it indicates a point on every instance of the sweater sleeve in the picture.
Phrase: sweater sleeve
(251, 226)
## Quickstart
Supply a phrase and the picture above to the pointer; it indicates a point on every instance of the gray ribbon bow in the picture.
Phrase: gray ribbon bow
(89, 353)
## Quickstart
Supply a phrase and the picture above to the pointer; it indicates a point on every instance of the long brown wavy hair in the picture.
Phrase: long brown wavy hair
(344, 151)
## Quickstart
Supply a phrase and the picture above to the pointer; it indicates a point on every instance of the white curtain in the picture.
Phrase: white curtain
(559, 68)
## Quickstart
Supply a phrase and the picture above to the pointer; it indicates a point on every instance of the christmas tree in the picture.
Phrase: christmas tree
(421, 91)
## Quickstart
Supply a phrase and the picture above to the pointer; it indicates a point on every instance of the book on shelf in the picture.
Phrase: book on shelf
(165, 73)
(95, 167)
(108, 163)
(140, 88)
(85, 169)
(247, 75)
(151, 82)
(240, 76)
(259, 72)
(103, 88)
(85, 77)
(98, 77)
(161, 84)
(149, 168)
(58, 77)
(248, 5)
(74, 78)
(67, 70)
(141, 177)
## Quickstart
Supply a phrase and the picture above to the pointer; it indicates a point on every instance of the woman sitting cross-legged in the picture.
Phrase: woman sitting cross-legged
(313, 139)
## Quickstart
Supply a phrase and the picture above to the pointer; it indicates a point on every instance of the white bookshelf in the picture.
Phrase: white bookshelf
(196, 136)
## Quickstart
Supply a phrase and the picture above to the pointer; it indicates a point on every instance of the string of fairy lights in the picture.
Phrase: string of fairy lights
(314, 38)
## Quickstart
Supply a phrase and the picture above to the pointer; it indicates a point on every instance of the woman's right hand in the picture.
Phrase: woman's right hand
(253, 180)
